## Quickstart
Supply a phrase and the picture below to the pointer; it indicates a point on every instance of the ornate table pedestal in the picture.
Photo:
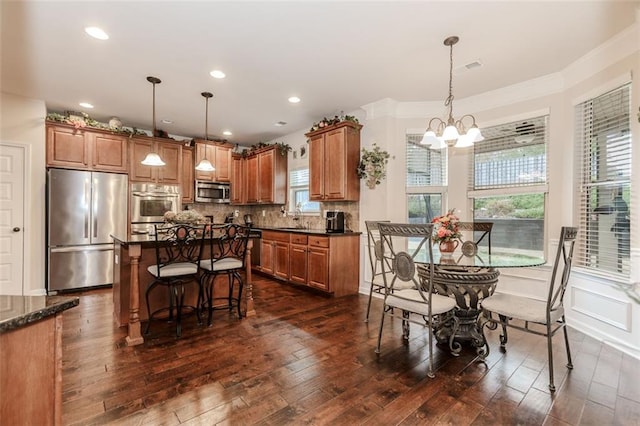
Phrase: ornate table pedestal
(468, 285)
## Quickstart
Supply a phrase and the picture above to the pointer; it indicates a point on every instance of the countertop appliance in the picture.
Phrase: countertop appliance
(335, 221)
(210, 192)
(149, 203)
(248, 220)
(83, 209)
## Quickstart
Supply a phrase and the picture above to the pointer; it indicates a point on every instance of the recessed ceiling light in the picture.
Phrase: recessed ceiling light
(217, 74)
(227, 133)
(85, 105)
(294, 99)
(165, 121)
(280, 123)
(96, 32)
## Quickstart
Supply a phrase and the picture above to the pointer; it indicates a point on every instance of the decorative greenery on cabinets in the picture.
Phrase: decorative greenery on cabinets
(81, 120)
(283, 148)
(372, 165)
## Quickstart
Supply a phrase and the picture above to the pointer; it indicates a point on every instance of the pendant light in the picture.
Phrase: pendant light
(440, 132)
(153, 159)
(205, 165)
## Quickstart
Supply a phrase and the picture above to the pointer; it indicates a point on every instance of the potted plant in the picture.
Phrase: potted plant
(372, 165)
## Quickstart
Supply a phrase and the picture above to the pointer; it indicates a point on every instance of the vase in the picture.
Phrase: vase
(447, 247)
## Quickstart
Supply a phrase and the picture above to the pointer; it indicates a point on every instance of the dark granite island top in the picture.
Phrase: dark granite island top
(18, 311)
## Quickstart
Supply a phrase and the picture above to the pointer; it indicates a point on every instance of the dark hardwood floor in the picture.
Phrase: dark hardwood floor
(308, 359)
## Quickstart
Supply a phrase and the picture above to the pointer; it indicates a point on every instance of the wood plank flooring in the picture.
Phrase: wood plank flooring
(309, 359)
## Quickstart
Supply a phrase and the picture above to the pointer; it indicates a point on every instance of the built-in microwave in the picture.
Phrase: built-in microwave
(209, 192)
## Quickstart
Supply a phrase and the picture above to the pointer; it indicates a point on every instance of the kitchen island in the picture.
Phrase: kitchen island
(132, 255)
(31, 358)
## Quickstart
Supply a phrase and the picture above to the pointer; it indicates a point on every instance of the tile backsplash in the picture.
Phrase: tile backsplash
(273, 216)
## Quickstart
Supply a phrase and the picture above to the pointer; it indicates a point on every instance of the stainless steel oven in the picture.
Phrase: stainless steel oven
(149, 203)
(209, 192)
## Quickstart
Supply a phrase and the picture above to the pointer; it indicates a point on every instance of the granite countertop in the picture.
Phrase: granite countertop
(18, 311)
(310, 231)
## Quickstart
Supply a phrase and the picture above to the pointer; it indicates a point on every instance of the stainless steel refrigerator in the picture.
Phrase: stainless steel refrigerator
(83, 209)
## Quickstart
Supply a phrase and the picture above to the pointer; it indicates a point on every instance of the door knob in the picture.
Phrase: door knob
(16, 229)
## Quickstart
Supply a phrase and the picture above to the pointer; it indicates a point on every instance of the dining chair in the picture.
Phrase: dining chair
(403, 245)
(549, 313)
(374, 246)
(178, 249)
(227, 245)
(483, 229)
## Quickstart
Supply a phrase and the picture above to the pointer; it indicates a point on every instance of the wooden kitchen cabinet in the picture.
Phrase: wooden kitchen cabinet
(238, 180)
(334, 155)
(169, 152)
(266, 177)
(85, 149)
(298, 259)
(329, 263)
(318, 259)
(219, 154)
(187, 186)
(274, 254)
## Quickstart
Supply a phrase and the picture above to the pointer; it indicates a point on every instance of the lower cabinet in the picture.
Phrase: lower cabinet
(329, 263)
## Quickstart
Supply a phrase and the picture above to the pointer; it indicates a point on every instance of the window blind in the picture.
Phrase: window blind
(603, 150)
(425, 167)
(512, 154)
(299, 178)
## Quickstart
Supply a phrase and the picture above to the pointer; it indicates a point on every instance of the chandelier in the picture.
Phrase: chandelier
(440, 133)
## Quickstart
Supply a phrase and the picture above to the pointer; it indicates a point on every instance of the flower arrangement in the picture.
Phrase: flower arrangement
(446, 227)
(325, 122)
(372, 165)
(185, 216)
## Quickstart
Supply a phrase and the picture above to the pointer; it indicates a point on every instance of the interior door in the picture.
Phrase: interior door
(12, 237)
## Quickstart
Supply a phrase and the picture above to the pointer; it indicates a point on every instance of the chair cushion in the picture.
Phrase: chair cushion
(174, 269)
(519, 307)
(225, 264)
(411, 300)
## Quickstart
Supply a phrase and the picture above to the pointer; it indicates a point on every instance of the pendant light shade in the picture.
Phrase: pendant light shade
(205, 165)
(153, 159)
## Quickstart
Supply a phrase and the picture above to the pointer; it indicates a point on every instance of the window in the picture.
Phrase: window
(508, 184)
(299, 192)
(603, 149)
(425, 180)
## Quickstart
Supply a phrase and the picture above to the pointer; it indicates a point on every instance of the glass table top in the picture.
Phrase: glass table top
(481, 259)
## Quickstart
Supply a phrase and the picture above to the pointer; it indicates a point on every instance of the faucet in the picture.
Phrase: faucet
(296, 215)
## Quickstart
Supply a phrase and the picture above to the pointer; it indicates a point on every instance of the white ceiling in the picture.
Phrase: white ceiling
(336, 56)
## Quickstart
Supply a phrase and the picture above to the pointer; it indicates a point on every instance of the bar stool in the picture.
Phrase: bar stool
(227, 247)
(178, 249)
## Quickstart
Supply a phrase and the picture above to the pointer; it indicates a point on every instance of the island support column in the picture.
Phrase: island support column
(249, 308)
(135, 336)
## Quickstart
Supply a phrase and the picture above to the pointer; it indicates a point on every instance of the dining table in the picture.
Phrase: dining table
(469, 275)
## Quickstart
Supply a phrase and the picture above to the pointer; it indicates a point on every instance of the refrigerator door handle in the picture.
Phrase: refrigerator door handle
(95, 209)
(87, 195)
(73, 249)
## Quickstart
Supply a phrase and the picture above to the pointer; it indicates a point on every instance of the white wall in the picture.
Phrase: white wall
(595, 306)
(23, 123)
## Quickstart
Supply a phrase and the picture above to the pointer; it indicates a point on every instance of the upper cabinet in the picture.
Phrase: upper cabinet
(238, 180)
(84, 149)
(262, 176)
(169, 151)
(334, 154)
(219, 154)
(187, 186)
